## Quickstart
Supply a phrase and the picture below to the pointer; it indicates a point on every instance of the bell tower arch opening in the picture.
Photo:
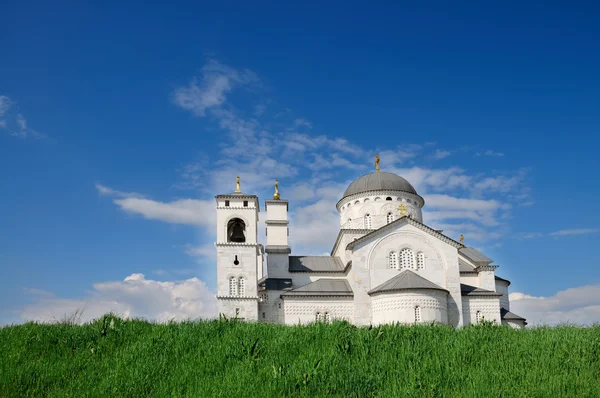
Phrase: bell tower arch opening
(236, 230)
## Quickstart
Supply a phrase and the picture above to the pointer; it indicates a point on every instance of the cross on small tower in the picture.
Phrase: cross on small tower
(402, 209)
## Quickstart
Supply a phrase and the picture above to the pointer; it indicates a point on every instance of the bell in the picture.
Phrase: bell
(237, 233)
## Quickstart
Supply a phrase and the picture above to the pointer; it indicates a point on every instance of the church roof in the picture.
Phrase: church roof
(468, 290)
(323, 287)
(475, 256)
(502, 279)
(510, 316)
(406, 280)
(377, 181)
(316, 264)
(411, 221)
(275, 284)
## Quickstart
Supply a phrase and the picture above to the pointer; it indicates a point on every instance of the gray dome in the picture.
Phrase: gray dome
(379, 181)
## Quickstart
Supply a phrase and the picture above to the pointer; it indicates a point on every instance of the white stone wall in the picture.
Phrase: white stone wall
(370, 268)
(353, 208)
(400, 307)
(502, 287)
(270, 307)
(470, 279)
(303, 310)
(487, 280)
(249, 258)
(489, 307)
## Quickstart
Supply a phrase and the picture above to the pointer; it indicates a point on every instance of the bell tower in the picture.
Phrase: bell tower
(239, 255)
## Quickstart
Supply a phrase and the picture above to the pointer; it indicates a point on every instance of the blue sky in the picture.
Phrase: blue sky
(120, 122)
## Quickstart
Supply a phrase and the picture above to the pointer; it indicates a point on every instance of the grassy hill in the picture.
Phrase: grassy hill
(115, 358)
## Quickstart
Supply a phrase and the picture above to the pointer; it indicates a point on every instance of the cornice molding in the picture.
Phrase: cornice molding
(382, 192)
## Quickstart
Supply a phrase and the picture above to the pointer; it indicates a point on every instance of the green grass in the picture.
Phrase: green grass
(135, 358)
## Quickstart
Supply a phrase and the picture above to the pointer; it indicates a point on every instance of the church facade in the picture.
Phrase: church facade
(386, 265)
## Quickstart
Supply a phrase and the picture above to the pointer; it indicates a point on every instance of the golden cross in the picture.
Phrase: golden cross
(237, 184)
(377, 162)
(462, 239)
(276, 195)
(402, 209)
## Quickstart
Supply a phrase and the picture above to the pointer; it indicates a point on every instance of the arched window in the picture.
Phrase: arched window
(241, 286)
(420, 260)
(393, 260)
(388, 198)
(349, 222)
(367, 221)
(366, 200)
(417, 314)
(327, 317)
(318, 317)
(478, 317)
(232, 286)
(390, 217)
(406, 259)
(357, 202)
(377, 199)
(236, 230)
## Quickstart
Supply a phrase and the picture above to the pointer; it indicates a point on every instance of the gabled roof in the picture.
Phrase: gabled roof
(322, 287)
(344, 231)
(510, 316)
(406, 280)
(316, 264)
(275, 284)
(468, 290)
(411, 221)
(462, 267)
(475, 256)
(502, 279)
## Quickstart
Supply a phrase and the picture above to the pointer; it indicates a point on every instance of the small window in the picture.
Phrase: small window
(318, 317)
(388, 198)
(478, 317)
(393, 260)
(245, 203)
(406, 259)
(226, 203)
(236, 261)
(241, 286)
(417, 314)
(367, 221)
(327, 317)
(420, 261)
(264, 315)
(357, 202)
(232, 286)
(390, 217)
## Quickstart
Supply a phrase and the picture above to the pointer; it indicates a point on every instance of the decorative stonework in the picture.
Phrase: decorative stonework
(404, 235)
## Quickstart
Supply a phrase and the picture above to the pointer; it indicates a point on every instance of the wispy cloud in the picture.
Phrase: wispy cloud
(14, 122)
(576, 231)
(489, 152)
(211, 89)
(580, 305)
(441, 154)
(182, 211)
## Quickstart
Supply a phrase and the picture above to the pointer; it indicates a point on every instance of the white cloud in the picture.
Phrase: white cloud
(183, 211)
(441, 154)
(134, 297)
(570, 232)
(106, 191)
(489, 152)
(211, 89)
(14, 122)
(529, 235)
(300, 122)
(580, 305)
(5, 103)
(202, 252)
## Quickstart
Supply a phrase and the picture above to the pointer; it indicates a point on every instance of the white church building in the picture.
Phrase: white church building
(386, 265)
